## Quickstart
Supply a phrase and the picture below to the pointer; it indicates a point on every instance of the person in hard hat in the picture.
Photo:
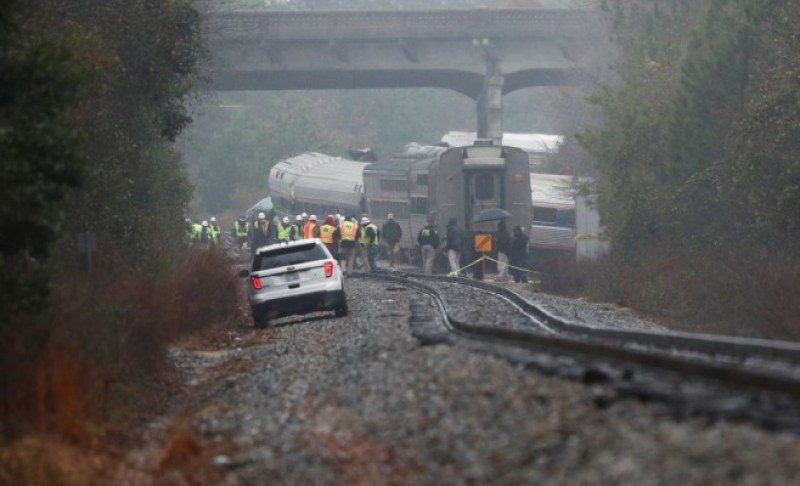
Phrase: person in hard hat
(240, 231)
(311, 229)
(349, 236)
(205, 236)
(370, 241)
(391, 233)
(327, 233)
(296, 233)
(216, 231)
(260, 232)
(196, 227)
(284, 230)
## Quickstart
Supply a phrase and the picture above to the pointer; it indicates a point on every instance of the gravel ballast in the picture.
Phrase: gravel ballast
(326, 400)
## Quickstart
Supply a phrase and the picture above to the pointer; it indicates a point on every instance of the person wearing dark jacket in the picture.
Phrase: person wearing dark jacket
(519, 255)
(261, 233)
(391, 234)
(503, 251)
(453, 245)
(428, 239)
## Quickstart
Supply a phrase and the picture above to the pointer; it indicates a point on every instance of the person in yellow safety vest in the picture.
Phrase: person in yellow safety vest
(284, 230)
(240, 231)
(370, 237)
(348, 231)
(327, 233)
(216, 231)
(204, 235)
(296, 233)
(311, 230)
(196, 227)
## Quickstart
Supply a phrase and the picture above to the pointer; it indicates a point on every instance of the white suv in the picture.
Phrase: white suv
(294, 278)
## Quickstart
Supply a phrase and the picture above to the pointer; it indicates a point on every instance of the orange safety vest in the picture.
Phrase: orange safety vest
(326, 233)
(348, 230)
(308, 230)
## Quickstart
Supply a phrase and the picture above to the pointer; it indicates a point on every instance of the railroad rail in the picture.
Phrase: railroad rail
(753, 363)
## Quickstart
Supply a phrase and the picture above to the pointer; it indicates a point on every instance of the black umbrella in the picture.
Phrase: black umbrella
(491, 214)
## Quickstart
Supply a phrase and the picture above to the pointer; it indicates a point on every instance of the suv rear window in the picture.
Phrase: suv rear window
(282, 257)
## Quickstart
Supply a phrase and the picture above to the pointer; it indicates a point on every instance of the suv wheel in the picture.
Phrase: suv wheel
(341, 309)
(260, 319)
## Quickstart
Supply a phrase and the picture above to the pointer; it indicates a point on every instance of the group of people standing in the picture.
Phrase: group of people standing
(356, 243)
(346, 238)
(512, 250)
(204, 233)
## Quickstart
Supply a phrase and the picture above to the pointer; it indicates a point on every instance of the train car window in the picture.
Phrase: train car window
(380, 208)
(419, 205)
(484, 186)
(394, 185)
(422, 179)
(545, 215)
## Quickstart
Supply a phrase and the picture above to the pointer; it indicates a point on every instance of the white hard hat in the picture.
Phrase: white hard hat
(213, 219)
(339, 216)
(364, 220)
(205, 223)
(262, 216)
(299, 217)
(286, 219)
(304, 215)
(313, 217)
(390, 215)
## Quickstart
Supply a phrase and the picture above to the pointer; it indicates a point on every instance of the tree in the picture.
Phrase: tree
(42, 82)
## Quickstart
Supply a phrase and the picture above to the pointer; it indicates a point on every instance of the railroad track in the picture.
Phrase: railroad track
(759, 365)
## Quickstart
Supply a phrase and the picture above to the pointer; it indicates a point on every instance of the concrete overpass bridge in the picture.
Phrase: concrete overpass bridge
(481, 53)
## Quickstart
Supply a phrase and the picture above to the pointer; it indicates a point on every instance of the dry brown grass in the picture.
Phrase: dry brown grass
(48, 461)
(742, 293)
(96, 357)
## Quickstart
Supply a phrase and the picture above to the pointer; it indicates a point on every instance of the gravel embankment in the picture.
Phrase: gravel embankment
(357, 400)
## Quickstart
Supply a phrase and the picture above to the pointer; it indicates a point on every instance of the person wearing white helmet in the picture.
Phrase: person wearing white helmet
(284, 230)
(296, 233)
(216, 231)
(311, 230)
(204, 236)
(260, 232)
(370, 241)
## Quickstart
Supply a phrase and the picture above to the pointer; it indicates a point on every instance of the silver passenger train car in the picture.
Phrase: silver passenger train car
(317, 184)
(399, 186)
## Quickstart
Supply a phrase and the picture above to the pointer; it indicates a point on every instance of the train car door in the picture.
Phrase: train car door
(483, 189)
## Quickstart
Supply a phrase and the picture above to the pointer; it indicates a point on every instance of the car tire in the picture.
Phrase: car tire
(341, 309)
(260, 320)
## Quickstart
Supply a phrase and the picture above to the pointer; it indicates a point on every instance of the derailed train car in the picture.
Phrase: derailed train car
(317, 184)
(399, 186)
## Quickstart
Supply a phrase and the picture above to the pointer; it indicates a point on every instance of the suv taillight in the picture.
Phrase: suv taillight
(256, 281)
(328, 269)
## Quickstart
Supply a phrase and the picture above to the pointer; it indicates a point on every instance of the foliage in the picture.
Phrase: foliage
(135, 192)
(39, 136)
(699, 156)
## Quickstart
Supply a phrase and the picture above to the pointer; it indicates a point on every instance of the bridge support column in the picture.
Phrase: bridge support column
(490, 105)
